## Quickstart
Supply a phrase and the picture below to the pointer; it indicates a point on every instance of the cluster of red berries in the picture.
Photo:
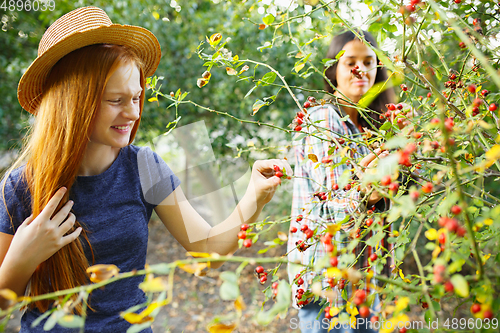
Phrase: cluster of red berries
(426, 188)
(405, 154)
(326, 239)
(356, 73)
(320, 195)
(294, 229)
(307, 231)
(261, 274)
(302, 246)
(274, 287)
(452, 225)
(391, 107)
(243, 235)
(487, 314)
(387, 181)
(278, 172)
(298, 121)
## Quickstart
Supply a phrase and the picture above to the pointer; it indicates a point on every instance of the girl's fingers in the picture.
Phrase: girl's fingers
(51, 206)
(62, 214)
(72, 236)
(68, 224)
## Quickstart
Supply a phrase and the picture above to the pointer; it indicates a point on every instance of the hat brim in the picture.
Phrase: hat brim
(138, 39)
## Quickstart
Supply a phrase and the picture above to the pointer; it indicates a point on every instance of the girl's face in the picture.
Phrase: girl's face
(120, 108)
(356, 53)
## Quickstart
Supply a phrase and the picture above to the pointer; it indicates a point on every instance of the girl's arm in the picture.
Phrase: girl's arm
(36, 240)
(195, 234)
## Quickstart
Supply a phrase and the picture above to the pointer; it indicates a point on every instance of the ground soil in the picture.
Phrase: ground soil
(196, 300)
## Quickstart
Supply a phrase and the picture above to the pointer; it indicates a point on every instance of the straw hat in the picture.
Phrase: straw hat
(78, 28)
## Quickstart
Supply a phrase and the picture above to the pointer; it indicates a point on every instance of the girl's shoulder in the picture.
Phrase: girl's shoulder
(329, 110)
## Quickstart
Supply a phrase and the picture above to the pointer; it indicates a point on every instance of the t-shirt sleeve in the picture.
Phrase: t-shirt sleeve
(15, 202)
(157, 180)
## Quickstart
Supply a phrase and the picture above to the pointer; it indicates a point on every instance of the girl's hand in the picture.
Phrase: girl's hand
(263, 182)
(369, 161)
(38, 239)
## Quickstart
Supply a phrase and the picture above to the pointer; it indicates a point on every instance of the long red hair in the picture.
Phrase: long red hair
(56, 145)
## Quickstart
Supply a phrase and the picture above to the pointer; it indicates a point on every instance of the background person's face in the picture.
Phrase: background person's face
(356, 53)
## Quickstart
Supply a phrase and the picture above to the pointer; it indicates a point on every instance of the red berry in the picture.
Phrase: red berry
(455, 210)
(442, 238)
(242, 235)
(275, 285)
(475, 308)
(263, 279)
(461, 231)
(403, 86)
(311, 99)
(373, 257)
(335, 187)
(358, 301)
(393, 187)
(341, 141)
(361, 294)
(391, 106)
(259, 269)
(307, 104)
(484, 92)
(448, 286)
(475, 111)
(347, 187)
(452, 225)
(298, 128)
(309, 233)
(403, 329)
(475, 21)
(458, 1)
(472, 88)
(244, 227)
(435, 121)
(414, 195)
(293, 230)
(299, 121)
(304, 227)
(374, 319)
(493, 107)
(300, 115)
(300, 281)
(427, 188)
(369, 222)
(364, 311)
(327, 313)
(429, 94)
(299, 218)
(247, 242)
(488, 314)
(334, 261)
(452, 76)
(386, 180)
(279, 174)
(461, 44)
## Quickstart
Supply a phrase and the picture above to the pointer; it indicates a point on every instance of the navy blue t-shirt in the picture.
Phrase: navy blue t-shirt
(115, 208)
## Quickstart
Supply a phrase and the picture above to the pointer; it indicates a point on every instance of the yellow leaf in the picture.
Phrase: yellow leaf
(333, 323)
(484, 124)
(332, 228)
(334, 311)
(153, 99)
(231, 71)
(282, 236)
(153, 285)
(215, 39)
(492, 155)
(236, 58)
(156, 15)
(460, 285)
(239, 304)
(194, 268)
(313, 158)
(201, 82)
(403, 276)
(199, 254)
(402, 303)
(488, 221)
(392, 323)
(221, 328)
(102, 272)
(8, 294)
(250, 144)
(431, 234)
(436, 252)
(311, 2)
(299, 67)
(333, 272)
(395, 233)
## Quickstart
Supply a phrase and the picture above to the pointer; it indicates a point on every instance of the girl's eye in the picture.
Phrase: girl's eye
(114, 100)
(137, 99)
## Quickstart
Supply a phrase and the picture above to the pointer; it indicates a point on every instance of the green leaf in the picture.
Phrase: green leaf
(375, 239)
(138, 327)
(283, 300)
(340, 54)
(71, 321)
(229, 291)
(250, 91)
(53, 319)
(41, 318)
(268, 19)
(385, 126)
(229, 276)
(269, 78)
(257, 105)
(461, 285)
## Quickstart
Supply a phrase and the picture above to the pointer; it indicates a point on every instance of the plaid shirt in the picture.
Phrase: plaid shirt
(311, 178)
